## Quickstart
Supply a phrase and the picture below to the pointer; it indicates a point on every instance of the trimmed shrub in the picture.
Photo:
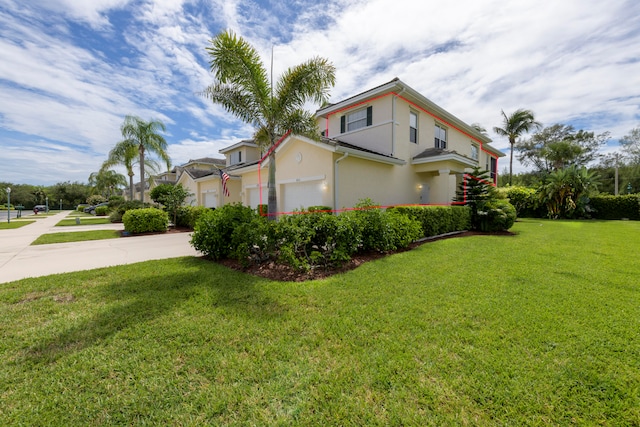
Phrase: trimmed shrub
(145, 220)
(320, 209)
(81, 207)
(213, 233)
(615, 207)
(496, 215)
(436, 220)
(263, 210)
(95, 199)
(115, 216)
(102, 210)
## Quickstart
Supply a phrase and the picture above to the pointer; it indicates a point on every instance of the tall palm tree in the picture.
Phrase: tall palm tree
(126, 154)
(514, 125)
(146, 137)
(243, 88)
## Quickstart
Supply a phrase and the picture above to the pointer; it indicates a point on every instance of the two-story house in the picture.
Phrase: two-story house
(389, 144)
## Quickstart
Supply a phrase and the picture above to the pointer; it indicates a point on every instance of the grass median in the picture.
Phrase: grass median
(76, 236)
(541, 328)
(16, 223)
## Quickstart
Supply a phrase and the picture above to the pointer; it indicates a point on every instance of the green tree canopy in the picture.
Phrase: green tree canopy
(560, 146)
(243, 87)
(631, 145)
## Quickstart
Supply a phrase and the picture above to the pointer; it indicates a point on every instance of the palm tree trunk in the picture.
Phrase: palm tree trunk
(511, 162)
(141, 149)
(272, 206)
(131, 193)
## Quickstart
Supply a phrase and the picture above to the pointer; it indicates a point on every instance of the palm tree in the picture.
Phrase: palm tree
(514, 125)
(105, 182)
(126, 154)
(244, 89)
(145, 137)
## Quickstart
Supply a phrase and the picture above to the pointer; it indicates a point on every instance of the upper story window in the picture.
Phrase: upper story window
(474, 151)
(441, 137)
(356, 120)
(413, 127)
(235, 157)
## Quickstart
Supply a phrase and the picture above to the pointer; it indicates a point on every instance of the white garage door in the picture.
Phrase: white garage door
(299, 195)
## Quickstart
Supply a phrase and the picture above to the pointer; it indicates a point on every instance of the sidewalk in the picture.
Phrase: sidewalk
(19, 260)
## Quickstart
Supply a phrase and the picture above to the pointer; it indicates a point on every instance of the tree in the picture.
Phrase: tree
(513, 126)
(565, 191)
(631, 145)
(244, 89)
(127, 154)
(559, 146)
(171, 197)
(145, 137)
(105, 182)
(475, 190)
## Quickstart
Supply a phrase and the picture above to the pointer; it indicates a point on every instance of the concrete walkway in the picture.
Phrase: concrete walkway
(20, 260)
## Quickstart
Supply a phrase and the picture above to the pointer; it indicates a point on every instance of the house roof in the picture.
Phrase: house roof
(206, 160)
(199, 173)
(437, 154)
(244, 142)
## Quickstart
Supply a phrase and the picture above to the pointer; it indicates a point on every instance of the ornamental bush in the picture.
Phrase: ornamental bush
(102, 210)
(145, 220)
(213, 233)
(496, 215)
(524, 200)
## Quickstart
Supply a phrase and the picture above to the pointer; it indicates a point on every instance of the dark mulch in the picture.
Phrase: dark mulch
(285, 273)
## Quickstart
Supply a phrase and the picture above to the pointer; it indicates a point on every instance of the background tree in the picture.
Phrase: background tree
(565, 191)
(146, 137)
(244, 89)
(513, 126)
(631, 145)
(475, 190)
(560, 146)
(106, 182)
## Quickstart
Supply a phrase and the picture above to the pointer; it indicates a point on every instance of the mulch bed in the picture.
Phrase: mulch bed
(285, 273)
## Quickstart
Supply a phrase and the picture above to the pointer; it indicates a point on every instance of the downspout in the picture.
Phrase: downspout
(335, 181)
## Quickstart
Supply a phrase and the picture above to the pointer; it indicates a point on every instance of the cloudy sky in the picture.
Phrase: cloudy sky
(70, 70)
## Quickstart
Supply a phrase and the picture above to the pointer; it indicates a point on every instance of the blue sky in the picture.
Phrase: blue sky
(70, 70)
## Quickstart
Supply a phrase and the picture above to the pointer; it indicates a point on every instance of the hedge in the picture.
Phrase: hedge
(615, 207)
(436, 220)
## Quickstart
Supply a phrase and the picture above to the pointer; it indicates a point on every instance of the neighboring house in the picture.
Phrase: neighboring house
(389, 144)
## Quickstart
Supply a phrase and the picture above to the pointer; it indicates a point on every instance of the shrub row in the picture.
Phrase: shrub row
(436, 220)
(615, 207)
(305, 240)
(188, 215)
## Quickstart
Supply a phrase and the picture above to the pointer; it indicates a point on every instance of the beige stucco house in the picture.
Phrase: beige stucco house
(389, 144)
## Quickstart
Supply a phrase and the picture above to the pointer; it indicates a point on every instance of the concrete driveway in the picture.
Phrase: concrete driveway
(20, 260)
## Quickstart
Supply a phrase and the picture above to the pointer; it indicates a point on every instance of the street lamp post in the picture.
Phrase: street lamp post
(60, 204)
(8, 205)
(46, 199)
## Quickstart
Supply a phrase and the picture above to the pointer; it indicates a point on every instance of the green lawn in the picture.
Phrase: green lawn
(538, 329)
(15, 223)
(84, 221)
(76, 236)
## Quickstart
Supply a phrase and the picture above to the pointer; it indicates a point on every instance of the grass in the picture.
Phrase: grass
(538, 329)
(80, 214)
(76, 236)
(16, 223)
(84, 221)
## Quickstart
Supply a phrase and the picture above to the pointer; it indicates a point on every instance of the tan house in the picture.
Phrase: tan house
(389, 144)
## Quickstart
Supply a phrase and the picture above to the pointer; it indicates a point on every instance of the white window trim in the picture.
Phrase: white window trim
(414, 113)
(437, 141)
(349, 123)
(475, 151)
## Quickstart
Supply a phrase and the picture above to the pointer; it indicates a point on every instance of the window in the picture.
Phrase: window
(413, 127)
(494, 170)
(441, 137)
(356, 120)
(474, 151)
(236, 158)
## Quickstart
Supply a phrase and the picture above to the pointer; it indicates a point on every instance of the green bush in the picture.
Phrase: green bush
(496, 215)
(524, 200)
(214, 230)
(102, 210)
(384, 231)
(320, 209)
(145, 220)
(188, 215)
(436, 220)
(115, 216)
(95, 199)
(132, 204)
(262, 210)
(615, 207)
(81, 207)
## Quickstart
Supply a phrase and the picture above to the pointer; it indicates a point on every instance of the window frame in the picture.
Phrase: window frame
(413, 130)
(345, 123)
(438, 142)
(475, 152)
